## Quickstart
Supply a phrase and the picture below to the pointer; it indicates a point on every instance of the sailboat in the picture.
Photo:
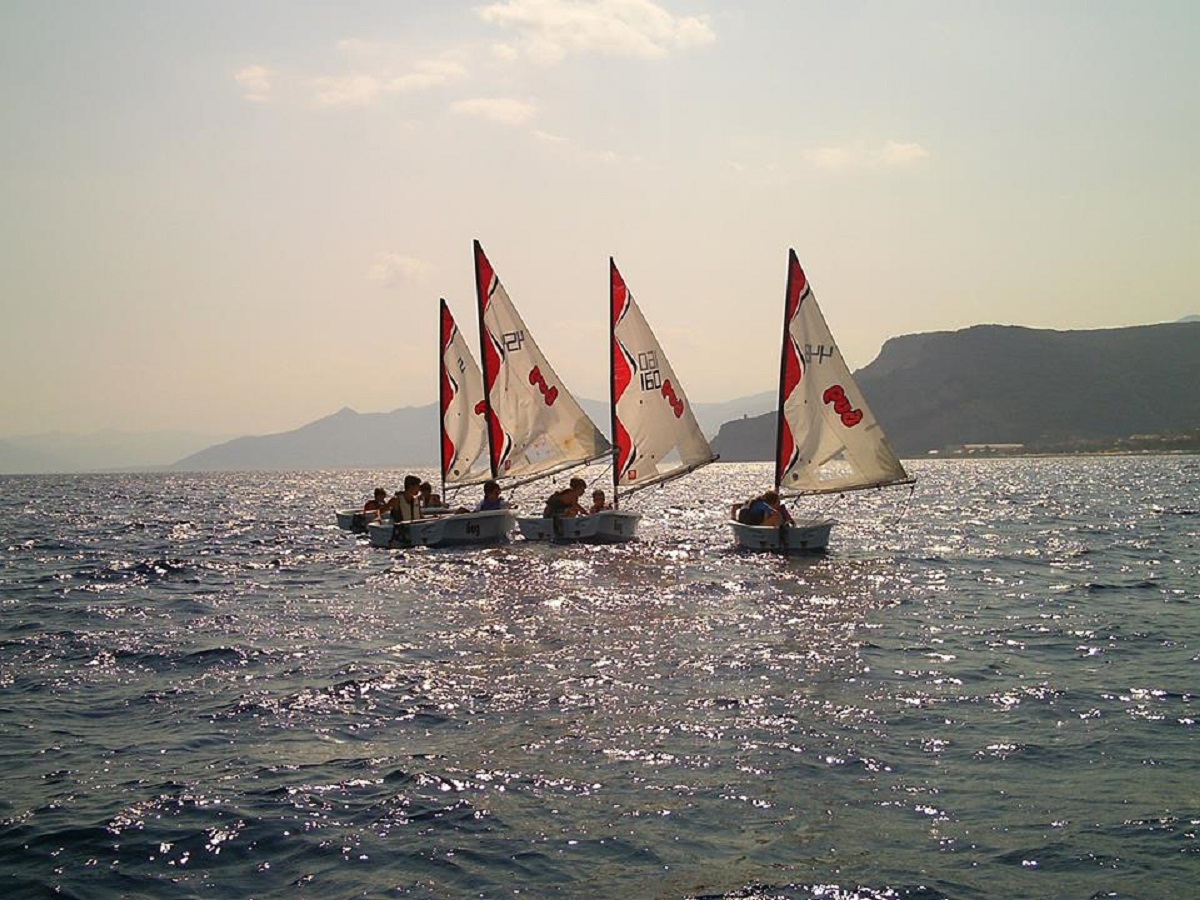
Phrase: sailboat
(535, 427)
(656, 436)
(827, 439)
(464, 462)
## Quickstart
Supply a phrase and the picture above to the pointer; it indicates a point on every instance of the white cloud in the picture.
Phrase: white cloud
(393, 269)
(549, 30)
(504, 110)
(378, 76)
(505, 52)
(896, 154)
(860, 156)
(255, 82)
(428, 73)
(567, 147)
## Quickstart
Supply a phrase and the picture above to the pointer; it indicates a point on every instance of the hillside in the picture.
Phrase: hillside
(346, 439)
(16, 458)
(407, 436)
(1007, 384)
(98, 451)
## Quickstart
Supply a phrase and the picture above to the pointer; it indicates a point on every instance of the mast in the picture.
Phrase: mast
(443, 390)
(783, 348)
(612, 376)
(481, 295)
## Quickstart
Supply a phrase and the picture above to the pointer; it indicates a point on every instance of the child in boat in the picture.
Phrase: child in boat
(598, 503)
(429, 500)
(767, 510)
(376, 503)
(564, 504)
(491, 498)
(406, 506)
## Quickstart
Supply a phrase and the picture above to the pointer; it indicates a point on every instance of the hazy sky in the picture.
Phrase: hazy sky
(236, 217)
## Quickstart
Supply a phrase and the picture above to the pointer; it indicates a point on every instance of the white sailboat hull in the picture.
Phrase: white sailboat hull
(461, 530)
(356, 520)
(609, 527)
(805, 535)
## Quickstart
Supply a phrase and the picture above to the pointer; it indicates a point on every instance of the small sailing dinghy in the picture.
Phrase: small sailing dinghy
(656, 436)
(463, 440)
(827, 439)
(535, 428)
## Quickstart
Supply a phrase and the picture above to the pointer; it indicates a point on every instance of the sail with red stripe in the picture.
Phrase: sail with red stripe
(827, 439)
(656, 433)
(535, 427)
(464, 438)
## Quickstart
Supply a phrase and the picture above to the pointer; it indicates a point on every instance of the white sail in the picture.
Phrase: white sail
(654, 428)
(828, 439)
(464, 432)
(535, 426)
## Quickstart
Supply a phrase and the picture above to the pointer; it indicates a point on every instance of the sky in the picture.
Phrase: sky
(238, 217)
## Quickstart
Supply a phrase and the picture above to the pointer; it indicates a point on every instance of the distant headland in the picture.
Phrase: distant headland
(1005, 389)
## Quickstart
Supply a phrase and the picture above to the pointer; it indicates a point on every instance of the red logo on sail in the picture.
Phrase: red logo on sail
(668, 391)
(538, 380)
(842, 405)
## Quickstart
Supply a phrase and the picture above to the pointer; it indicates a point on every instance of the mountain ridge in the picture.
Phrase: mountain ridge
(405, 436)
(1008, 384)
(984, 384)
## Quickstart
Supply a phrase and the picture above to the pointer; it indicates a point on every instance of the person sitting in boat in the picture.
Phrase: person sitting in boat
(378, 502)
(406, 506)
(428, 498)
(599, 503)
(564, 504)
(767, 510)
(491, 498)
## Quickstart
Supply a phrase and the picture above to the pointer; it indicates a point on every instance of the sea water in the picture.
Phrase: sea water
(987, 688)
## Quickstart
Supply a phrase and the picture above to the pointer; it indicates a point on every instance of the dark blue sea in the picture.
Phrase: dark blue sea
(987, 688)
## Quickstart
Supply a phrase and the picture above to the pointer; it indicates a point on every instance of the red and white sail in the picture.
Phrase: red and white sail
(828, 439)
(654, 428)
(535, 426)
(464, 432)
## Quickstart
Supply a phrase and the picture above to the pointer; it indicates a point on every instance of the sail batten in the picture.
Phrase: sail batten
(828, 439)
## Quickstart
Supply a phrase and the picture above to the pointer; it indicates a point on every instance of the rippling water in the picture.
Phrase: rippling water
(986, 689)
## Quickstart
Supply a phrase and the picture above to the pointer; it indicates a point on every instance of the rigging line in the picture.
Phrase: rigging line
(835, 499)
(905, 503)
(678, 473)
(605, 470)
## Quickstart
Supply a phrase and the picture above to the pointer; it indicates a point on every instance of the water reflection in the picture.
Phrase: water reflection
(985, 682)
